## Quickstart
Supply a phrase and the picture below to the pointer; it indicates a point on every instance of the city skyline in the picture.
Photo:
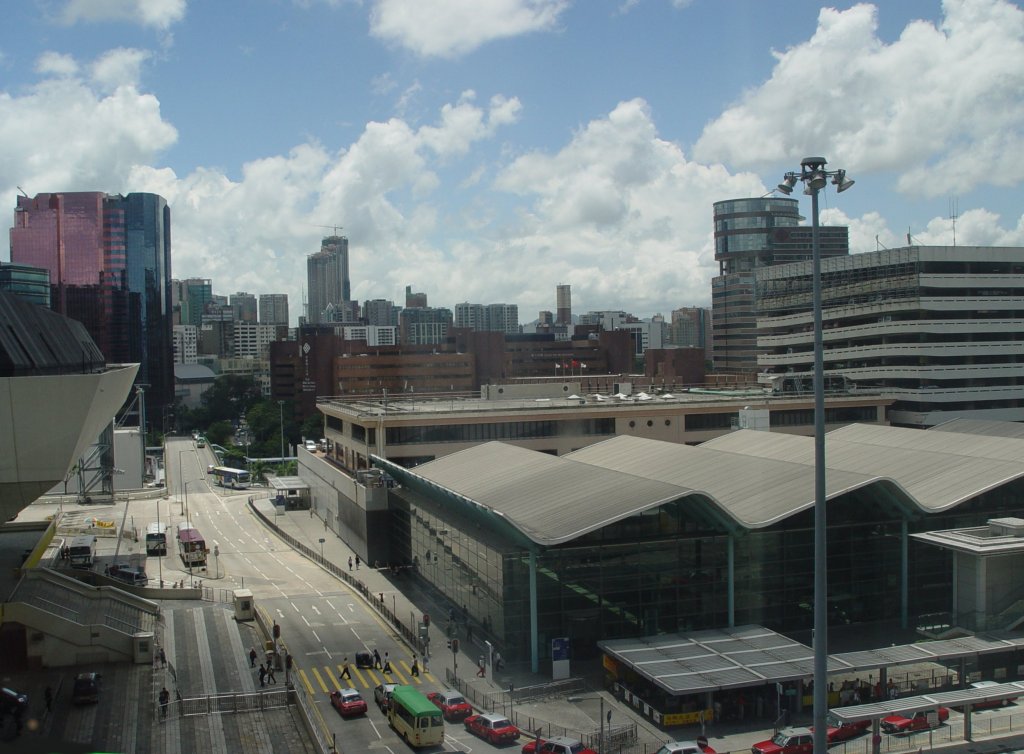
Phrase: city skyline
(489, 156)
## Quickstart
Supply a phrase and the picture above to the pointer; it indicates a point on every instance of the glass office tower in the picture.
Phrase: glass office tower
(109, 260)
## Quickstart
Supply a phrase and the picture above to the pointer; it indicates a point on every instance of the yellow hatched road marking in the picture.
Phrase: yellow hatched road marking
(396, 671)
(413, 678)
(374, 680)
(320, 680)
(359, 675)
(305, 680)
(341, 680)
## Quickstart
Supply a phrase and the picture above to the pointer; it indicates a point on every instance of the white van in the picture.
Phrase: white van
(82, 551)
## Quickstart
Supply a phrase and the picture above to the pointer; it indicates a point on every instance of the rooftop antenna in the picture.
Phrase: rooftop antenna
(954, 209)
(22, 191)
(879, 245)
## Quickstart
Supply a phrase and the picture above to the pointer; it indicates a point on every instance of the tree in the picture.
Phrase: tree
(219, 432)
(230, 397)
(313, 427)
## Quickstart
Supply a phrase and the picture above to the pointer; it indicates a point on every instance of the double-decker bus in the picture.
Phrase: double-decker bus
(415, 718)
(191, 547)
(156, 539)
(236, 479)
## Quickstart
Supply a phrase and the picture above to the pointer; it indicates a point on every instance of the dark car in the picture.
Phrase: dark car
(86, 689)
(129, 574)
(382, 695)
(12, 702)
(364, 659)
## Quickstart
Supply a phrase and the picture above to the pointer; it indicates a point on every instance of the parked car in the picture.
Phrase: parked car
(311, 446)
(382, 695)
(787, 741)
(493, 728)
(685, 747)
(557, 745)
(348, 702)
(994, 702)
(923, 720)
(86, 689)
(452, 704)
(129, 574)
(12, 702)
(843, 730)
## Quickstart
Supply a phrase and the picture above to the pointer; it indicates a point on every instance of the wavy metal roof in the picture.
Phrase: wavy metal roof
(744, 480)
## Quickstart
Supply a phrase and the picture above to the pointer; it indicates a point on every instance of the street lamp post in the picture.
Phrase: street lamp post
(181, 478)
(814, 176)
(600, 736)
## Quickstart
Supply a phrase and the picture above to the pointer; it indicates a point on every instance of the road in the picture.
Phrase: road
(321, 620)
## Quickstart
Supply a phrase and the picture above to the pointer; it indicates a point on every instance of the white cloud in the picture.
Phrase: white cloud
(120, 67)
(56, 64)
(160, 14)
(449, 28)
(63, 134)
(621, 213)
(940, 105)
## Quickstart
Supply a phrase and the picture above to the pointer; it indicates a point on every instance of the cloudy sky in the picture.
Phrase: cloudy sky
(487, 150)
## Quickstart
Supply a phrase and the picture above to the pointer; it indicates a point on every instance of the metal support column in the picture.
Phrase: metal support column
(732, 580)
(904, 574)
(534, 637)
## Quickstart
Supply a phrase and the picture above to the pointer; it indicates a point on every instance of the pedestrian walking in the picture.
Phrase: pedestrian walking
(387, 664)
(376, 659)
(165, 699)
(345, 672)
(415, 671)
(357, 562)
(350, 563)
(163, 658)
(481, 671)
(270, 673)
(48, 698)
(252, 657)
(262, 675)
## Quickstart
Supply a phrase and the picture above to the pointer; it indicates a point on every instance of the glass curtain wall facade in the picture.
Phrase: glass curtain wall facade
(109, 261)
(664, 571)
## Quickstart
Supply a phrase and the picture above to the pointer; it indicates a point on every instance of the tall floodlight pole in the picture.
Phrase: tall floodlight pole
(814, 177)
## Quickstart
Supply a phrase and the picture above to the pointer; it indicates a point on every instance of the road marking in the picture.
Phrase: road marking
(373, 676)
(409, 671)
(395, 671)
(315, 610)
(375, 730)
(295, 607)
(279, 613)
(359, 675)
(305, 680)
(356, 635)
(330, 605)
(308, 625)
(320, 680)
(315, 636)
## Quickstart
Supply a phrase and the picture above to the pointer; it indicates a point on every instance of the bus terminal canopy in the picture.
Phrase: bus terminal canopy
(912, 704)
(743, 656)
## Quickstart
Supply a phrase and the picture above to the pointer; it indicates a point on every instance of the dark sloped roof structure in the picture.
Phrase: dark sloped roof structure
(745, 480)
(36, 341)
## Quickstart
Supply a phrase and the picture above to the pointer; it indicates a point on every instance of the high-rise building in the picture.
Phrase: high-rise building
(563, 305)
(244, 306)
(327, 278)
(185, 344)
(381, 312)
(198, 296)
(252, 340)
(420, 326)
(751, 234)
(689, 327)
(274, 309)
(109, 260)
(414, 300)
(469, 316)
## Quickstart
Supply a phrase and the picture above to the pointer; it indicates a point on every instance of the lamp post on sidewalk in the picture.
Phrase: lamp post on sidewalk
(181, 479)
(600, 737)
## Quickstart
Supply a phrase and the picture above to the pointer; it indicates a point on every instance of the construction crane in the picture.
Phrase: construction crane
(335, 228)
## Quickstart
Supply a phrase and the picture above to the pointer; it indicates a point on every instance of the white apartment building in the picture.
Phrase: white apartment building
(252, 340)
(940, 329)
(372, 335)
(185, 339)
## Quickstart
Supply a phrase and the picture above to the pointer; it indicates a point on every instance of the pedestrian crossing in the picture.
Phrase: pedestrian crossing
(324, 678)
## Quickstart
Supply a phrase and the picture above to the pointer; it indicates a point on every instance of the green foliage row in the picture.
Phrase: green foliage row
(238, 396)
